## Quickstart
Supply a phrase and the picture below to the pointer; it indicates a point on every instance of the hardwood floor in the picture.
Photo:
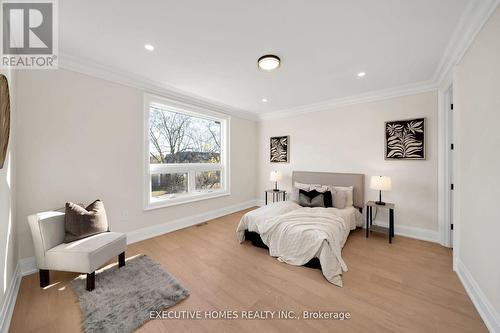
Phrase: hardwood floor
(407, 286)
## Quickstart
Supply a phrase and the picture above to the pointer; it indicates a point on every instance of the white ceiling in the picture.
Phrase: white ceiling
(210, 48)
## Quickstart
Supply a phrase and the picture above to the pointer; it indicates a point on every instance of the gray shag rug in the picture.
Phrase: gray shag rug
(123, 297)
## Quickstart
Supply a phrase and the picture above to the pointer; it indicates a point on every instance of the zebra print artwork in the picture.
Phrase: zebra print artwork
(279, 149)
(405, 139)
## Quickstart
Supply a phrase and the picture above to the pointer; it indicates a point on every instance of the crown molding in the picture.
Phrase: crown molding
(472, 21)
(108, 73)
(111, 74)
(405, 90)
(470, 24)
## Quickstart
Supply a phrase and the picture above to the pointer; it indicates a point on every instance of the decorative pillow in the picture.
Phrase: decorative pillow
(306, 187)
(339, 199)
(294, 196)
(315, 199)
(82, 222)
(320, 188)
(327, 196)
(349, 192)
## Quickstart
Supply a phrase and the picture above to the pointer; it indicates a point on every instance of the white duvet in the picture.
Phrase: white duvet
(296, 234)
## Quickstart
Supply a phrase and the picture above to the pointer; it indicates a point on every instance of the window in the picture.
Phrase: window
(186, 153)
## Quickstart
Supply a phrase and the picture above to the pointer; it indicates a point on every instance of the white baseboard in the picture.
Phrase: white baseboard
(10, 300)
(160, 229)
(28, 266)
(24, 267)
(412, 232)
(487, 312)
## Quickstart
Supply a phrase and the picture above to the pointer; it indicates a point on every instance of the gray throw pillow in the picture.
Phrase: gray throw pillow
(317, 201)
(82, 222)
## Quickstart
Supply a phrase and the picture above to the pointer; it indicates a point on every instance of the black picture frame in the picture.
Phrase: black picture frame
(279, 149)
(405, 139)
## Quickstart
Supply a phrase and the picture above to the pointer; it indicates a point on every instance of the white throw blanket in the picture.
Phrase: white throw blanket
(305, 233)
(252, 219)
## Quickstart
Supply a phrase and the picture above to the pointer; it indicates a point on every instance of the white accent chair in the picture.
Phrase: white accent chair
(81, 256)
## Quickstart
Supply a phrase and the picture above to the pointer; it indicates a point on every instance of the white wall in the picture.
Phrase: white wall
(8, 250)
(477, 97)
(81, 138)
(351, 139)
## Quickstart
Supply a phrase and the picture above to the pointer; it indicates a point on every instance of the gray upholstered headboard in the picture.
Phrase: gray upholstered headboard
(331, 178)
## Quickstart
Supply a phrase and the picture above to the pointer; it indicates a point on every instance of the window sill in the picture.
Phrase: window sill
(156, 204)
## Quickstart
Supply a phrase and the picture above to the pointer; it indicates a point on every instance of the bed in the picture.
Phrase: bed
(312, 237)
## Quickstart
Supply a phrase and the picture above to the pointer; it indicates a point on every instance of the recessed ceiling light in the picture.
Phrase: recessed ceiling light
(264, 100)
(268, 62)
(361, 74)
(149, 47)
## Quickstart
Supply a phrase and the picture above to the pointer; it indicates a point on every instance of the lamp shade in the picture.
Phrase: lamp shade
(275, 176)
(381, 183)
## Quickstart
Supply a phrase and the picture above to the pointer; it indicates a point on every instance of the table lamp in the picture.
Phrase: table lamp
(380, 183)
(274, 177)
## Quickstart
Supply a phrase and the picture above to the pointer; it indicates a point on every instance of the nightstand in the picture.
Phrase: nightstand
(277, 195)
(377, 228)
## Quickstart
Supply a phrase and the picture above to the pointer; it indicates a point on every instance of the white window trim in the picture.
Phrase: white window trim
(150, 203)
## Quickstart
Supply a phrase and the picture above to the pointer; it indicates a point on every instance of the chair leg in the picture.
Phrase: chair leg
(121, 259)
(44, 278)
(90, 281)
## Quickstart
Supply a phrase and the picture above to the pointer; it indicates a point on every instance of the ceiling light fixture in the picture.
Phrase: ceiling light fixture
(268, 62)
(264, 100)
(149, 47)
(361, 74)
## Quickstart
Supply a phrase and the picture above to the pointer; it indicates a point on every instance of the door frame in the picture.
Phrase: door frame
(445, 93)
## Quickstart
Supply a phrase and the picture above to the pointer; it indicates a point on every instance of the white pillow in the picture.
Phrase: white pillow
(339, 198)
(348, 191)
(305, 187)
(320, 188)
